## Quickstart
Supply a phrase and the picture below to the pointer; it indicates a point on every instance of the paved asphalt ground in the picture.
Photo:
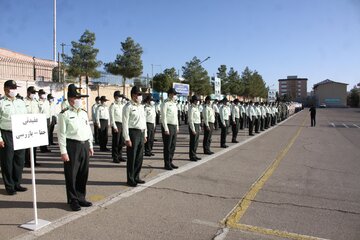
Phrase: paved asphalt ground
(290, 182)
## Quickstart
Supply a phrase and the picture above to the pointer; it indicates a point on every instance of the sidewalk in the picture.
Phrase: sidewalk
(106, 179)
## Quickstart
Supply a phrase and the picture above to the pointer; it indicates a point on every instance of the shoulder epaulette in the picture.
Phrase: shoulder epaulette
(84, 110)
(64, 110)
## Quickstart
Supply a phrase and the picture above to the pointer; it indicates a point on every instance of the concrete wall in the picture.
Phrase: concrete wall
(331, 94)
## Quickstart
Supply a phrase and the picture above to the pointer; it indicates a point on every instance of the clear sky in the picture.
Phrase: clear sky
(314, 39)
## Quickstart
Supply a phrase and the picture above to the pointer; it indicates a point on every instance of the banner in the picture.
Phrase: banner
(182, 89)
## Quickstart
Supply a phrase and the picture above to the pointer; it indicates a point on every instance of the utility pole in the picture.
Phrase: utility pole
(54, 33)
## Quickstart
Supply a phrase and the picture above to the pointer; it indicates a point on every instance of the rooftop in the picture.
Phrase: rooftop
(327, 81)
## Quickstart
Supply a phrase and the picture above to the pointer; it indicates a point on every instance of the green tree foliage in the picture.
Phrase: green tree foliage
(354, 97)
(161, 82)
(171, 72)
(234, 83)
(224, 79)
(253, 84)
(129, 63)
(83, 61)
(197, 77)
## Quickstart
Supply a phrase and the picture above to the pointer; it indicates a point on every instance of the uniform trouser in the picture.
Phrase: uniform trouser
(179, 117)
(194, 141)
(169, 142)
(262, 123)
(257, 124)
(224, 130)
(150, 138)
(246, 121)
(157, 118)
(186, 118)
(76, 169)
(241, 122)
(103, 133)
(251, 125)
(267, 121)
(235, 129)
(207, 137)
(135, 155)
(313, 121)
(51, 130)
(182, 115)
(273, 122)
(27, 156)
(12, 162)
(96, 133)
(117, 142)
(44, 148)
(216, 123)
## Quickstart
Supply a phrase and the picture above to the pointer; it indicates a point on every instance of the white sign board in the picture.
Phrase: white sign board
(29, 130)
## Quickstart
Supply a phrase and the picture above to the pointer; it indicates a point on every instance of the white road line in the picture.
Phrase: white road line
(356, 125)
(131, 191)
(345, 125)
(332, 124)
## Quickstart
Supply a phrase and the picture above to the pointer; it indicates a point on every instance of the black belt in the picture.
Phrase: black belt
(77, 141)
(136, 129)
(9, 131)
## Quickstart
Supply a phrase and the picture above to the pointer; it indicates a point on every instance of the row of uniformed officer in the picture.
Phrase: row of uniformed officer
(194, 127)
(12, 162)
(209, 121)
(76, 147)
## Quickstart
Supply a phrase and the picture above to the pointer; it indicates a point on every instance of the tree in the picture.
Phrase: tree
(83, 61)
(129, 63)
(234, 84)
(224, 80)
(253, 84)
(197, 77)
(171, 72)
(354, 97)
(246, 79)
(161, 83)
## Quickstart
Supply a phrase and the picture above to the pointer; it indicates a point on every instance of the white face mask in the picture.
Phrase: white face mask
(43, 96)
(198, 103)
(12, 93)
(32, 96)
(152, 103)
(174, 98)
(139, 99)
(78, 103)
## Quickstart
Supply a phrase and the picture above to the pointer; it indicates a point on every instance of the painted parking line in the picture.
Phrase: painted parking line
(356, 125)
(345, 125)
(332, 124)
(232, 220)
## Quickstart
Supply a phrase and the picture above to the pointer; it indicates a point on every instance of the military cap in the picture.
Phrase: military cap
(208, 98)
(49, 96)
(73, 93)
(135, 91)
(194, 98)
(172, 91)
(103, 99)
(31, 89)
(11, 84)
(41, 92)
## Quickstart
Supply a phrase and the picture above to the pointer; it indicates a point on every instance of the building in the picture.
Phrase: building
(294, 88)
(330, 93)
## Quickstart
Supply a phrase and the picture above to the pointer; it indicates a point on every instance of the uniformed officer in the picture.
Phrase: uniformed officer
(32, 107)
(150, 125)
(257, 117)
(194, 127)
(242, 115)
(44, 108)
(134, 132)
(75, 141)
(12, 162)
(217, 115)
(170, 128)
(116, 110)
(209, 120)
(251, 118)
(235, 120)
(102, 120)
(178, 105)
(186, 110)
(93, 118)
(224, 122)
(263, 115)
(53, 118)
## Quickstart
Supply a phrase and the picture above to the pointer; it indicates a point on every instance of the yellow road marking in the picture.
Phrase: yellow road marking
(234, 217)
(96, 198)
(273, 232)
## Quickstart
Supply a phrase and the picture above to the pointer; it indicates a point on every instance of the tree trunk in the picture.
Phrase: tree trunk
(124, 81)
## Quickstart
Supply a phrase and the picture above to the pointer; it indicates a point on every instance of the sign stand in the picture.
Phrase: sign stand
(36, 223)
(29, 131)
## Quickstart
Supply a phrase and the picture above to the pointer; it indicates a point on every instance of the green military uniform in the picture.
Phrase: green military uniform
(194, 128)
(12, 162)
(224, 122)
(116, 114)
(150, 114)
(235, 115)
(170, 124)
(251, 118)
(102, 119)
(134, 130)
(75, 139)
(93, 118)
(44, 108)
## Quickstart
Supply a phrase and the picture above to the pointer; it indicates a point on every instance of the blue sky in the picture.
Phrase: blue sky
(315, 39)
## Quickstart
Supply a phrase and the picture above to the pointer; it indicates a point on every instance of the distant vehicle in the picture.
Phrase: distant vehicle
(322, 105)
